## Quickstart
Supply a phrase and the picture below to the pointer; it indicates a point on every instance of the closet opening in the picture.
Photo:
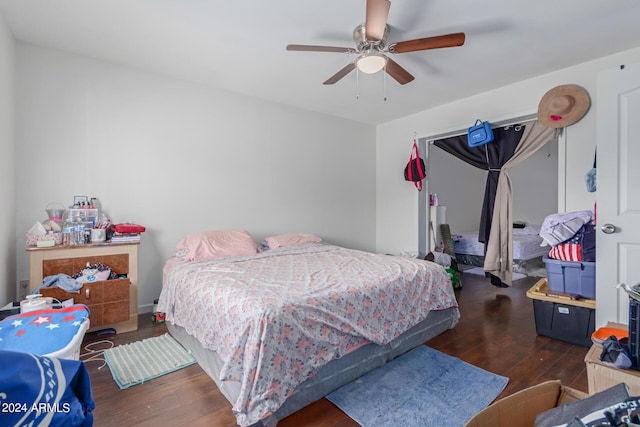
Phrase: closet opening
(538, 190)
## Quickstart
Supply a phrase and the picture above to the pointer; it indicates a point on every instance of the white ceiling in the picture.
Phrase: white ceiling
(239, 45)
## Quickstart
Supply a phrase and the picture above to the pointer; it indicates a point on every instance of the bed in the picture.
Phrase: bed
(280, 328)
(527, 249)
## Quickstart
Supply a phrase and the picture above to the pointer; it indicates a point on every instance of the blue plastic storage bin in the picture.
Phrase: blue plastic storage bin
(569, 277)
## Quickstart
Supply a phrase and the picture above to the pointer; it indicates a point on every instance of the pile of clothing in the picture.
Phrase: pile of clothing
(571, 235)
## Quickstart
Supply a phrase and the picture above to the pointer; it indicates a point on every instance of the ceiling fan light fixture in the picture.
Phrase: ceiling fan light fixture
(370, 40)
(371, 63)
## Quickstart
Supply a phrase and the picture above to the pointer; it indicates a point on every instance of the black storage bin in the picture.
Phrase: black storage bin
(565, 322)
(634, 331)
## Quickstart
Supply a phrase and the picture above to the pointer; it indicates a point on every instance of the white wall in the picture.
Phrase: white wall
(397, 200)
(7, 168)
(535, 185)
(459, 186)
(179, 157)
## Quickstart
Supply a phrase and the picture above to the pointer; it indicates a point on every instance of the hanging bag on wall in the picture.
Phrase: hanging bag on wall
(479, 134)
(415, 170)
(590, 177)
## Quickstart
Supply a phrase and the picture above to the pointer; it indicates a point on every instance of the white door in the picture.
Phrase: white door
(618, 190)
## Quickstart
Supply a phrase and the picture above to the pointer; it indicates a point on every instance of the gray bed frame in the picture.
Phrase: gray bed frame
(334, 374)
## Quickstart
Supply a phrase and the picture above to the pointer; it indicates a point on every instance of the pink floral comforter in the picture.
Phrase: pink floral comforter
(276, 317)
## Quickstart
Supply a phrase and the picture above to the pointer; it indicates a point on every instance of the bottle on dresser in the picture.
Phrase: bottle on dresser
(68, 233)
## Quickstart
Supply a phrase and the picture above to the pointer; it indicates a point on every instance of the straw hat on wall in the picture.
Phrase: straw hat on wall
(563, 106)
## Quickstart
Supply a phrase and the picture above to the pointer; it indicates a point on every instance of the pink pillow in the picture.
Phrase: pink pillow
(291, 239)
(217, 244)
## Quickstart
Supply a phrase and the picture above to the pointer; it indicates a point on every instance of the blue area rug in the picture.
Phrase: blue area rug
(423, 387)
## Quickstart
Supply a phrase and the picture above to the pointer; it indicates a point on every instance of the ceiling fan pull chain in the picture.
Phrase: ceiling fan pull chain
(384, 84)
(357, 84)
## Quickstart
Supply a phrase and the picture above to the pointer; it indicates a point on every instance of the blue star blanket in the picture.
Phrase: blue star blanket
(44, 391)
(42, 331)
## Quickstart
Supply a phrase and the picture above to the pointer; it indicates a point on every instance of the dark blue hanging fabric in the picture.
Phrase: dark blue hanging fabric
(490, 157)
(44, 391)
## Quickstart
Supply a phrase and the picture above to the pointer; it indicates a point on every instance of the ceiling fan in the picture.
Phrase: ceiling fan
(371, 46)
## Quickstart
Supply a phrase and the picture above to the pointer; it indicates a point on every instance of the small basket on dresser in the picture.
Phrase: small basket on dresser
(33, 238)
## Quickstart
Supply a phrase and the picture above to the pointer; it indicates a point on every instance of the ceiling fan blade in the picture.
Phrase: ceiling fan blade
(340, 74)
(377, 14)
(400, 75)
(309, 48)
(437, 42)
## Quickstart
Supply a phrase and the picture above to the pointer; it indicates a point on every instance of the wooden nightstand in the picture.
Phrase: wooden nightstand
(602, 377)
(113, 303)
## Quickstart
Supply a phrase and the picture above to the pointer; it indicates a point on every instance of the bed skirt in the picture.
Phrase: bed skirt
(528, 267)
(526, 244)
(331, 376)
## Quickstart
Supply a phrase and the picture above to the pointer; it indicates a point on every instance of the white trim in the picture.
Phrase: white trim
(423, 205)
(494, 124)
(562, 171)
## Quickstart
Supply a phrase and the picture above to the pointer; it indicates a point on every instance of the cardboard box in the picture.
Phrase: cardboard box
(601, 376)
(520, 409)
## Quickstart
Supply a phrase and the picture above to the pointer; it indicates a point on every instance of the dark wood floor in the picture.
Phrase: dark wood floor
(496, 332)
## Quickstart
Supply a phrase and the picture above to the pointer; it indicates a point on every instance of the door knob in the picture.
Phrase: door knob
(608, 228)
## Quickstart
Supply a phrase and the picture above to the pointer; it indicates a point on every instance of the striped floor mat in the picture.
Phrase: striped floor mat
(141, 361)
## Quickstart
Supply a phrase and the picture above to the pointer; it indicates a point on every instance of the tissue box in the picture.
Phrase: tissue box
(38, 233)
(33, 239)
